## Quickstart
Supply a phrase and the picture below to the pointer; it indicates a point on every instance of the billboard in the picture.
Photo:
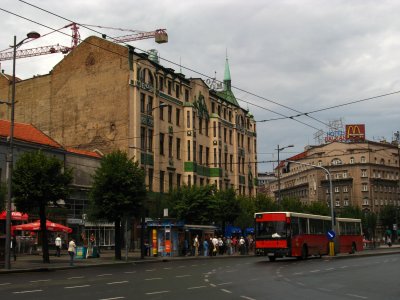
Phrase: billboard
(355, 132)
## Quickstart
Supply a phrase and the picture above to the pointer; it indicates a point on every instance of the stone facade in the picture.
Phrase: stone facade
(104, 96)
(364, 174)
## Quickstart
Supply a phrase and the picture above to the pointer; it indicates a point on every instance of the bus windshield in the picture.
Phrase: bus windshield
(271, 230)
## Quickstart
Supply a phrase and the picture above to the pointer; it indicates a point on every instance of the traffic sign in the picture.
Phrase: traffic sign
(331, 234)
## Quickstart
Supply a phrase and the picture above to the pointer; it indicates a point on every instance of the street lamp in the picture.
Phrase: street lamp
(149, 112)
(10, 160)
(331, 246)
(279, 171)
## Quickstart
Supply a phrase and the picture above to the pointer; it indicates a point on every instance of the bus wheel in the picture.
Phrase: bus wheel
(271, 258)
(353, 248)
(304, 252)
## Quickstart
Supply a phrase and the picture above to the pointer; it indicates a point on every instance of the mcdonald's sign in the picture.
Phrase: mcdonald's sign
(355, 132)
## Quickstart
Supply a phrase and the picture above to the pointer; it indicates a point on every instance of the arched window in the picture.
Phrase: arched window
(351, 160)
(363, 159)
(336, 161)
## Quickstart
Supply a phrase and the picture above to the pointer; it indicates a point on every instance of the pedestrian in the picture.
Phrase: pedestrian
(205, 247)
(14, 247)
(229, 245)
(196, 245)
(389, 241)
(242, 245)
(215, 246)
(71, 251)
(58, 243)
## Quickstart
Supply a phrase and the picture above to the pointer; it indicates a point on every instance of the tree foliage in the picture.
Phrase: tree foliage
(388, 216)
(118, 192)
(228, 208)
(318, 208)
(292, 204)
(38, 181)
(194, 204)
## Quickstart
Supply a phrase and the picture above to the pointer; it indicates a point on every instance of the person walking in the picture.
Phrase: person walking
(71, 251)
(196, 245)
(205, 247)
(58, 243)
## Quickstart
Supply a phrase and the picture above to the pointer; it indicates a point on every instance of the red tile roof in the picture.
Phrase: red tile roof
(27, 133)
(84, 152)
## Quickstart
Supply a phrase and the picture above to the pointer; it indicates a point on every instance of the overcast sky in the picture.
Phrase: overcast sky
(286, 57)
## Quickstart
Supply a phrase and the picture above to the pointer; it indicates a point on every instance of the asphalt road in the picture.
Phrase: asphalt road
(228, 278)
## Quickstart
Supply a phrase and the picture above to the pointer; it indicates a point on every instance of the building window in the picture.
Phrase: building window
(178, 117)
(170, 113)
(177, 91)
(207, 156)
(351, 160)
(151, 171)
(207, 125)
(231, 162)
(200, 125)
(150, 140)
(336, 161)
(188, 150)
(212, 107)
(363, 159)
(365, 201)
(161, 143)
(364, 173)
(169, 85)
(215, 157)
(186, 95)
(201, 181)
(345, 189)
(365, 187)
(344, 174)
(219, 158)
(224, 113)
(178, 180)
(170, 142)
(162, 173)
(178, 148)
(150, 104)
(248, 144)
(337, 190)
(161, 83)
(188, 119)
(226, 161)
(230, 136)
(201, 154)
(219, 130)
(230, 116)
(189, 180)
(337, 203)
(346, 202)
(215, 129)
(170, 181)
(224, 135)
(194, 151)
(142, 103)
(161, 111)
(142, 138)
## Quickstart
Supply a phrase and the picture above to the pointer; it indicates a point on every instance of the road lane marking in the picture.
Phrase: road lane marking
(6, 283)
(76, 277)
(226, 291)
(298, 273)
(181, 276)
(154, 293)
(329, 269)
(41, 280)
(76, 286)
(196, 287)
(224, 283)
(168, 268)
(212, 285)
(117, 282)
(205, 280)
(101, 275)
(300, 283)
(247, 298)
(130, 272)
(314, 271)
(155, 278)
(115, 298)
(24, 292)
(150, 270)
(357, 296)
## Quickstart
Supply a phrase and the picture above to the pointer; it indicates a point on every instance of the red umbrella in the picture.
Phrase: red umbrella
(35, 226)
(15, 216)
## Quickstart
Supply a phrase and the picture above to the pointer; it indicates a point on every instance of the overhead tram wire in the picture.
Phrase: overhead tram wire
(180, 65)
(207, 76)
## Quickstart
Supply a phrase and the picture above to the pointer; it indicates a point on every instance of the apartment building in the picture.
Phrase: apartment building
(364, 174)
(104, 96)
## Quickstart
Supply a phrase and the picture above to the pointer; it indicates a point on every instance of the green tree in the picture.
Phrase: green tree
(247, 209)
(369, 221)
(264, 203)
(291, 204)
(40, 180)
(118, 192)
(318, 208)
(194, 204)
(351, 212)
(228, 207)
(387, 216)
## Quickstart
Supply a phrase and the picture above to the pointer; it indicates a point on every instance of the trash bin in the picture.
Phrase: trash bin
(80, 252)
(95, 252)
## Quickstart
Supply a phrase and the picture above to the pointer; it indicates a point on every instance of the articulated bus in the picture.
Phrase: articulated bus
(290, 234)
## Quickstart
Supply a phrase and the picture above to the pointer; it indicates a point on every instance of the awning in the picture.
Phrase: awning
(15, 216)
(35, 226)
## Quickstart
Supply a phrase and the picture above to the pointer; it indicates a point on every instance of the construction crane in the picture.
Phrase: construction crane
(160, 36)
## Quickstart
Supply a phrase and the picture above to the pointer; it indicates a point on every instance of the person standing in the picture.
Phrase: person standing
(71, 251)
(58, 243)
(205, 247)
(196, 245)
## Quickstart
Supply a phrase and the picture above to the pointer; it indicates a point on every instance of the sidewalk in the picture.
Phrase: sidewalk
(31, 263)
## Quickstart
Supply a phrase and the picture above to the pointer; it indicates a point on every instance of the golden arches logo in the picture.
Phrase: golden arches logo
(355, 132)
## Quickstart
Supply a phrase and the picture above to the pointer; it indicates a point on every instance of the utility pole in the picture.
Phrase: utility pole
(279, 171)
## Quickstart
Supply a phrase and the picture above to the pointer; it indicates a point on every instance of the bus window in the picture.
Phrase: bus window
(294, 222)
(316, 226)
(303, 226)
(276, 229)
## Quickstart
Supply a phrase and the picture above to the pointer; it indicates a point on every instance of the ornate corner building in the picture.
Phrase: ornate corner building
(103, 96)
